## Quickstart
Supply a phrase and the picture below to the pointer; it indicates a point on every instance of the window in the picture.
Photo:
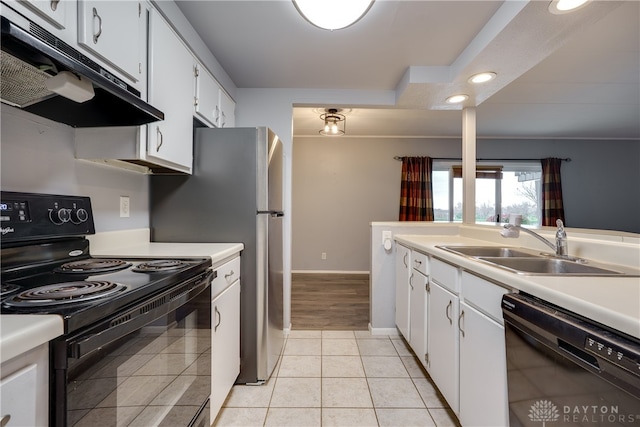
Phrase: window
(501, 189)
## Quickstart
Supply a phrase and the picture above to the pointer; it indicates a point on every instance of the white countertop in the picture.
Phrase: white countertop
(612, 301)
(20, 333)
(219, 252)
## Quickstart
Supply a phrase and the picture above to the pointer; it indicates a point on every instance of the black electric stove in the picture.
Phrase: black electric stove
(47, 267)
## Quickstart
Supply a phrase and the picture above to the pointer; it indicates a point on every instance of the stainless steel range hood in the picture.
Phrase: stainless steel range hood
(31, 56)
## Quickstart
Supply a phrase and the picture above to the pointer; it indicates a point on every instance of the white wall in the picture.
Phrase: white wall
(38, 156)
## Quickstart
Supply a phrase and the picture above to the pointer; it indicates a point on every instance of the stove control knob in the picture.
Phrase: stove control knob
(59, 216)
(79, 216)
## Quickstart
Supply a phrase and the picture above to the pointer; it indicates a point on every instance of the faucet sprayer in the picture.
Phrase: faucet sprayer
(561, 248)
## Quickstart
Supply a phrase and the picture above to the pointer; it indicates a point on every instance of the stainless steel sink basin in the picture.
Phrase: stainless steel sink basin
(490, 251)
(549, 266)
(531, 262)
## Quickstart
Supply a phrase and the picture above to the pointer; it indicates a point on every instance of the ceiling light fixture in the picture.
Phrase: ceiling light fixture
(558, 7)
(334, 122)
(456, 99)
(332, 14)
(482, 77)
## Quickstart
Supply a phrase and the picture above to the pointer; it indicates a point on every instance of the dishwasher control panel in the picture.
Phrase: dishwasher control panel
(623, 357)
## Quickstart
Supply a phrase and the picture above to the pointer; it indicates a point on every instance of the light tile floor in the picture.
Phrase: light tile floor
(340, 378)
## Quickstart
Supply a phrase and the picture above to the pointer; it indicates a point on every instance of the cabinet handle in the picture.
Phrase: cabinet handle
(447, 312)
(159, 138)
(404, 260)
(411, 281)
(230, 274)
(417, 262)
(224, 120)
(219, 319)
(99, 33)
(427, 287)
(460, 318)
(5, 420)
(54, 7)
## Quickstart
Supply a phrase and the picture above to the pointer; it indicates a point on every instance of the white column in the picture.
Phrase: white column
(468, 165)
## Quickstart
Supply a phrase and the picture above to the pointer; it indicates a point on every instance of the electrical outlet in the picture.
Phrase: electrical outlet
(125, 207)
(323, 255)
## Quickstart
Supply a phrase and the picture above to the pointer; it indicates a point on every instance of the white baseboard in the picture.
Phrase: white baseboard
(383, 331)
(328, 272)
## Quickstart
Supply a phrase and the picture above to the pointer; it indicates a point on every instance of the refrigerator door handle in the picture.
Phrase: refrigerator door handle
(275, 214)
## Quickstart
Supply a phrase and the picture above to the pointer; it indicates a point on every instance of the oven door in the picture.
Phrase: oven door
(148, 365)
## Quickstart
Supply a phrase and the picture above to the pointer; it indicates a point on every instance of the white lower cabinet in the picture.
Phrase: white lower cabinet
(24, 389)
(225, 333)
(483, 371)
(418, 303)
(403, 272)
(443, 342)
(225, 345)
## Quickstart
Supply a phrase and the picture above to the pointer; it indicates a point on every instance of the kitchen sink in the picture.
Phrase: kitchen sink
(549, 266)
(490, 251)
(531, 262)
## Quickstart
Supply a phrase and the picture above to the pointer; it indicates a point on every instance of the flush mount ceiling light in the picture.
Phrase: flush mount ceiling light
(333, 14)
(482, 77)
(558, 7)
(456, 99)
(334, 122)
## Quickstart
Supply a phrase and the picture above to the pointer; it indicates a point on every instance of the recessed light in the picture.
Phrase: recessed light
(482, 77)
(456, 99)
(558, 7)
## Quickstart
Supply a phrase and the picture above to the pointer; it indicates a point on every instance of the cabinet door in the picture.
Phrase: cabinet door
(403, 270)
(483, 370)
(171, 91)
(54, 11)
(206, 97)
(443, 342)
(227, 111)
(418, 315)
(110, 29)
(225, 345)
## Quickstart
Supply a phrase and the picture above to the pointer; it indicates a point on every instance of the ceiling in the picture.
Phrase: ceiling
(574, 75)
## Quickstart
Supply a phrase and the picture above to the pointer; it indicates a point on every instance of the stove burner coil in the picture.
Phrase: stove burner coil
(93, 265)
(159, 265)
(65, 293)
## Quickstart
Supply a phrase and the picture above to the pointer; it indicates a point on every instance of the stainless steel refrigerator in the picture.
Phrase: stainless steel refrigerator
(234, 195)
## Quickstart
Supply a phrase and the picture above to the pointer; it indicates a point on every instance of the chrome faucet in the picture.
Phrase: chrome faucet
(561, 248)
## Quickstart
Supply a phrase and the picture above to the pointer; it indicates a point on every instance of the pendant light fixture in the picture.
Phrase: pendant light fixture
(333, 14)
(334, 122)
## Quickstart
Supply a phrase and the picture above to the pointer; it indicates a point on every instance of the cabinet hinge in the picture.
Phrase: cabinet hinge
(196, 71)
(427, 287)
(195, 101)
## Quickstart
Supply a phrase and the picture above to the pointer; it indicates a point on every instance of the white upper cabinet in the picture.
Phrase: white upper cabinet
(211, 104)
(53, 11)
(205, 98)
(170, 90)
(110, 30)
(227, 118)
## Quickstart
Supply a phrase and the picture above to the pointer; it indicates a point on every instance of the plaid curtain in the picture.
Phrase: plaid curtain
(552, 207)
(416, 192)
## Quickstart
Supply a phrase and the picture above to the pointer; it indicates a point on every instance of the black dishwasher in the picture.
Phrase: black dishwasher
(565, 370)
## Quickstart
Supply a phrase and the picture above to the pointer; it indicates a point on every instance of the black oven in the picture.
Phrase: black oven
(136, 348)
(147, 365)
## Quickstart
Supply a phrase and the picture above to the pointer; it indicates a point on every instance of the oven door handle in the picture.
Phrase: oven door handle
(139, 316)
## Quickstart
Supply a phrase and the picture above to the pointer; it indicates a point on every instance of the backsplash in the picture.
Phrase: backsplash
(38, 156)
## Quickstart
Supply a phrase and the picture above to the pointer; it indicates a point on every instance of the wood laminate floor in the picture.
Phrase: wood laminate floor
(329, 301)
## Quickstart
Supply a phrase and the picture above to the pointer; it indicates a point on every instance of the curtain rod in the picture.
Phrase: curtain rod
(568, 159)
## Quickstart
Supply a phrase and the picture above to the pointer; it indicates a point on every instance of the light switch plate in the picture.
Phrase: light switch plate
(125, 207)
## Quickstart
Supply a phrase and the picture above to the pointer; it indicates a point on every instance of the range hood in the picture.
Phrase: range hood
(31, 56)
